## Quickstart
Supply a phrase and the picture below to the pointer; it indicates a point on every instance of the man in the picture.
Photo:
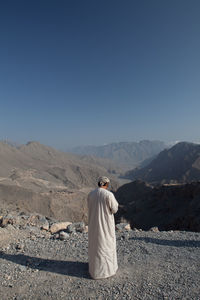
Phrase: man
(101, 231)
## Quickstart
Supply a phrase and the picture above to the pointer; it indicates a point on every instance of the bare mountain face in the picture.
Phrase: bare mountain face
(37, 178)
(125, 154)
(181, 163)
(169, 207)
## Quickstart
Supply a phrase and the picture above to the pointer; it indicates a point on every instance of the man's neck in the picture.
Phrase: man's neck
(104, 187)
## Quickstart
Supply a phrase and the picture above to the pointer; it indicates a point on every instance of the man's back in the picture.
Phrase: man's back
(101, 233)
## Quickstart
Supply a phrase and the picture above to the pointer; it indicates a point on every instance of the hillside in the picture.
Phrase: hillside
(168, 207)
(126, 154)
(181, 163)
(35, 177)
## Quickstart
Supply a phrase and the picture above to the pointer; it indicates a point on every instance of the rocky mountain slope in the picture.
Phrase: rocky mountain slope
(167, 207)
(125, 154)
(181, 163)
(38, 178)
(36, 264)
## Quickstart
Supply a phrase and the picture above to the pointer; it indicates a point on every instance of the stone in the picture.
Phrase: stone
(127, 227)
(6, 220)
(135, 229)
(76, 227)
(86, 229)
(63, 235)
(38, 221)
(56, 227)
(19, 247)
(123, 226)
(45, 226)
(22, 268)
(154, 229)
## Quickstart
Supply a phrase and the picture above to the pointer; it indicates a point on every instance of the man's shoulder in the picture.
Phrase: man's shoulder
(107, 193)
(92, 192)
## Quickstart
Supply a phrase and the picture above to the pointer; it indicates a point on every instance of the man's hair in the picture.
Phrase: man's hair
(102, 184)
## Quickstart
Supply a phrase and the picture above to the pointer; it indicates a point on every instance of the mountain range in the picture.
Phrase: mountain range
(126, 155)
(179, 164)
(38, 178)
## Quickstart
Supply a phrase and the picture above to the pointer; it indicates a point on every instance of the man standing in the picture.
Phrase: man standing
(101, 231)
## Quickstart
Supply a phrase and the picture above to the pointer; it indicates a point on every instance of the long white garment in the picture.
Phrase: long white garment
(101, 234)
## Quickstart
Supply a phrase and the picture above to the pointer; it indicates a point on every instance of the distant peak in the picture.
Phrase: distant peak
(32, 143)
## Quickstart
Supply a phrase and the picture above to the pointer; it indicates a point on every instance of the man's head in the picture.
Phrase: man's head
(103, 182)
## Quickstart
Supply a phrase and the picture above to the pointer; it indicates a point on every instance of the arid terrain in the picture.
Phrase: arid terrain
(44, 258)
(37, 264)
(38, 178)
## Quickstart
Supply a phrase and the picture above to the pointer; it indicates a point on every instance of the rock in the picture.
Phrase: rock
(22, 268)
(19, 247)
(38, 220)
(86, 229)
(123, 226)
(128, 227)
(56, 227)
(135, 229)
(6, 220)
(154, 229)
(79, 227)
(63, 235)
(45, 226)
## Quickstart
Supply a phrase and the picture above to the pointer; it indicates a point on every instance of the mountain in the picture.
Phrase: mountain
(125, 154)
(38, 178)
(171, 207)
(46, 163)
(181, 163)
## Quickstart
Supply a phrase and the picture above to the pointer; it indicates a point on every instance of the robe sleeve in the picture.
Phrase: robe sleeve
(112, 203)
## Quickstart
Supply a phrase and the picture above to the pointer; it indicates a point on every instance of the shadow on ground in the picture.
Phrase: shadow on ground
(70, 268)
(174, 243)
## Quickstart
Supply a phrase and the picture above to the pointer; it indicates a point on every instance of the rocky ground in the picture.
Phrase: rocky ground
(39, 264)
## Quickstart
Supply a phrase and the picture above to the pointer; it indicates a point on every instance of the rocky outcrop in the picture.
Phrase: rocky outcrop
(168, 207)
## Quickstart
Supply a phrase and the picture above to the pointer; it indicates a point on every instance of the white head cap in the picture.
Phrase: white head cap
(103, 180)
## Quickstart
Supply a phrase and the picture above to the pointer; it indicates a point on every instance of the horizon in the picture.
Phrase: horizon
(83, 73)
(168, 144)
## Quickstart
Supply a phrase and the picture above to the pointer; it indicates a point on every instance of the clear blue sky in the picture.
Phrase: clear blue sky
(93, 72)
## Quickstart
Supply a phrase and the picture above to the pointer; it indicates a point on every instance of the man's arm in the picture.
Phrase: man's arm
(113, 204)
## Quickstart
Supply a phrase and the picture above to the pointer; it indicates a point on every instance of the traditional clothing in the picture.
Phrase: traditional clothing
(101, 233)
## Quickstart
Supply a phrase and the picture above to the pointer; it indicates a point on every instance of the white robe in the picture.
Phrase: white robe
(101, 233)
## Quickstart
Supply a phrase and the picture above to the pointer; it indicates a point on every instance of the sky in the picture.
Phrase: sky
(92, 72)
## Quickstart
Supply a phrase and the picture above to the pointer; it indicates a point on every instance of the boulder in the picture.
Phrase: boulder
(37, 220)
(123, 226)
(76, 227)
(45, 226)
(56, 227)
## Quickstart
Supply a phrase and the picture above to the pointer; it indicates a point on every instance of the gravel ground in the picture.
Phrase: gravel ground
(152, 265)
